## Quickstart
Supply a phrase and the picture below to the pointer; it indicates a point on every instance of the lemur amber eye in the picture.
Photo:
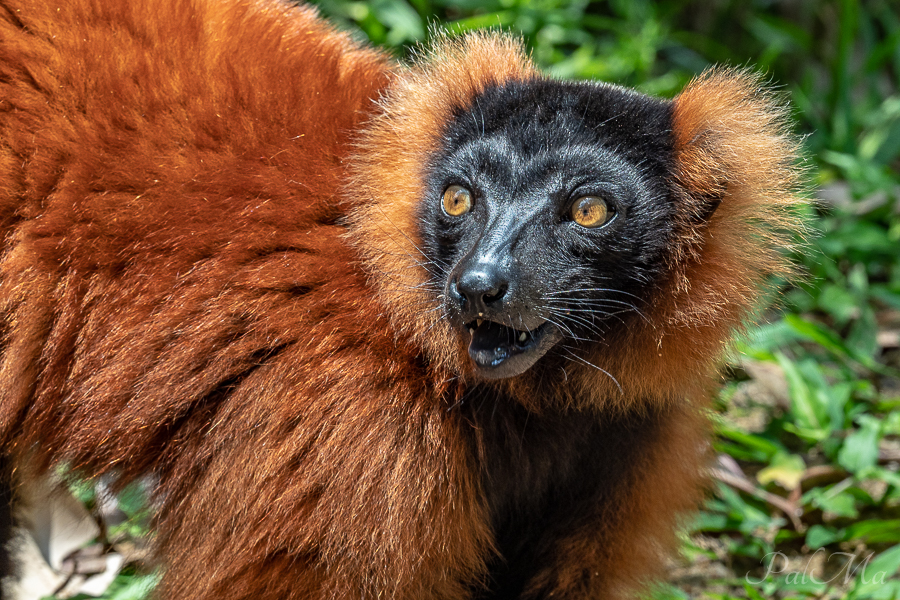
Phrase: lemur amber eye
(457, 200)
(591, 211)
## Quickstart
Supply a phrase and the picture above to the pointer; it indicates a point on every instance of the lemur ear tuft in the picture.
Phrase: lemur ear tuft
(737, 181)
(733, 143)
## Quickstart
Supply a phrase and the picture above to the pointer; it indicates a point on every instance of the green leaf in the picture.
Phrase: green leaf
(842, 504)
(875, 531)
(819, 536)
(832, 342)
(872, 577)
(860, 449)
(133, 500)
(403, 22)
(748, 517)
(82, 489)
(764, 339)
(765, 448)
(667, 591)
(136, 587)
(838, 302)
(891, 423)
(876, 590)
(809, 408)
(862, 336)
(751, 593)
(887, 562)
(785, 469)
(706, 521)
(818, 334)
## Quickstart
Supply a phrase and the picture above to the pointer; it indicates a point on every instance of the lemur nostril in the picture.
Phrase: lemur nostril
(482, 286)
(495, 294)
(456, 295)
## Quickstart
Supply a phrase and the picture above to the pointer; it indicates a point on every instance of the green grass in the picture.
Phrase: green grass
(807, 504)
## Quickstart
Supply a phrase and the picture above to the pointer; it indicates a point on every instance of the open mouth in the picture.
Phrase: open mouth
(499, 351)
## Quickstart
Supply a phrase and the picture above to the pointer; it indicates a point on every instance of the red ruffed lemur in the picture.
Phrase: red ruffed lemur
(430, 331)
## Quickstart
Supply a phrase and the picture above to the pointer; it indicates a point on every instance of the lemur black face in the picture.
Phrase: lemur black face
(546, 217)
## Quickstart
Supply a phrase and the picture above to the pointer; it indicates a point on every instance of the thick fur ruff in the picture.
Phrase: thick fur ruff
(210, 273)
(732, 141)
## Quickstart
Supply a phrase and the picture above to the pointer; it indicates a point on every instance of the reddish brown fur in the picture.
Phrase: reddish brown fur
(179, 298)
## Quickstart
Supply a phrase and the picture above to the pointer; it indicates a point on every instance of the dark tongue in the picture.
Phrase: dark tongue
(492, 343)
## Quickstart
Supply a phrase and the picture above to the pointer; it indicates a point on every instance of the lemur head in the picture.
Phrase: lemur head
(546, 215)
(515, 226)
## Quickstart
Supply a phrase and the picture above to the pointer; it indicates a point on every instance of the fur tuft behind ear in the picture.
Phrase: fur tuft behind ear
(734, 149)
(732, 137)
(737, 188)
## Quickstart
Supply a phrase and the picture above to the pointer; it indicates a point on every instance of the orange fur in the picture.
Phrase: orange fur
(210, 272)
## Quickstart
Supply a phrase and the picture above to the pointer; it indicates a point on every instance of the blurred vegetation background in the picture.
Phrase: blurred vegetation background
(807, 495)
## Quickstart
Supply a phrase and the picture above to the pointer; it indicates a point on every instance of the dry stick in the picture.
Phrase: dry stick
(791, 510)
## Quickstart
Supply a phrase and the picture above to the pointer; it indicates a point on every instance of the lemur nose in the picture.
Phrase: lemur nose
(480, 287)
